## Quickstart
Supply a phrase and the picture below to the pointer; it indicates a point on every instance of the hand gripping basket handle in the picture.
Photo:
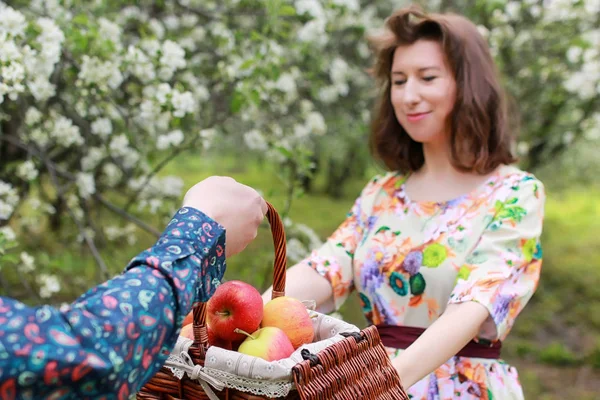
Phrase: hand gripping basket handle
(279, 242)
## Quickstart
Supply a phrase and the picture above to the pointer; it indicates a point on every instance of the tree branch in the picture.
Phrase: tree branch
(26, 284)
(126, 215)
(194, 10)
(90, 243)
(4, 285)
(97, 196)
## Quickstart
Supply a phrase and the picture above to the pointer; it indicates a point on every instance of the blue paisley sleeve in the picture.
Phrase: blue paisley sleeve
(115, 337)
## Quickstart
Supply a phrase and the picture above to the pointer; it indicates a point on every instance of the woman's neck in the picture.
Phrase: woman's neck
(437, 164)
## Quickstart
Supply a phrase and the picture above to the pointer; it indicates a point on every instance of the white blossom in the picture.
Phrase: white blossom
(310, 7)
(183, 103)
(328, 94)
(85, 184)
(102, 73)
(287, 85)
(173, 56)
(163, 92)
(207, 136)
(112, 174)
(6, 210)
(12, 22)
(140, 64)
(513, 8)
(316, 123)
(198, 34)
(102, 127)
(157, 28)
(574, 53)
(65, 133)
(313, 31)
(8, 233)
(150, 46)
(92, 158)
(41, 88)
(32, 116)
(49, 284)
(111, 31)
(27, 171)
(27, 262)
(255, 140)
(201, 93)
(171, 139)
(172, 186)
(119, 145)
(592, 6)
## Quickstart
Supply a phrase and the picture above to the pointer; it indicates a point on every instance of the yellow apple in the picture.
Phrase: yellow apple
(292, 317)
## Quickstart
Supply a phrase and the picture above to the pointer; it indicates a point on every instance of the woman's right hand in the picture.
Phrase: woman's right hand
(237, 207)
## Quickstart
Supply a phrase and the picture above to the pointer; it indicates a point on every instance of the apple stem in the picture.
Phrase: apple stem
(221, 313)
(238, 330)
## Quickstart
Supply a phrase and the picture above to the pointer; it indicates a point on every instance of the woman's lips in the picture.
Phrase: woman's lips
(415, 117)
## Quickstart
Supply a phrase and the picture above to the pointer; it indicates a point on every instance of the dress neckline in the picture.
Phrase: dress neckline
(493, 178)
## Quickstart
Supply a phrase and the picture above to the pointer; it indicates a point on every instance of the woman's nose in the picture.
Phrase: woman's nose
(411, 92)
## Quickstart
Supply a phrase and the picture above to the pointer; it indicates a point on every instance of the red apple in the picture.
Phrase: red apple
(214, 340)
(291, 316)
(235, 304)
(269, 343)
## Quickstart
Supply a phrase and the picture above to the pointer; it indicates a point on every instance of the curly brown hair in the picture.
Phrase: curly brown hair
(480, 130)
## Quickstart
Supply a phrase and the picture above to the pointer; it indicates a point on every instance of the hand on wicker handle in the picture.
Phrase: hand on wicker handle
(240, 209)
(279, 268)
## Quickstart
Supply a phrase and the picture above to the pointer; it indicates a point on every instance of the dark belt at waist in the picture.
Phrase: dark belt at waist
(400, 337)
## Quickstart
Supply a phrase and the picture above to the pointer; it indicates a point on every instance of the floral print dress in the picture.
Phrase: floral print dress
(407, 260)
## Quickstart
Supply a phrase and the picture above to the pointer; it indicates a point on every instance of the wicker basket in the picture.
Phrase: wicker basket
(356, 367)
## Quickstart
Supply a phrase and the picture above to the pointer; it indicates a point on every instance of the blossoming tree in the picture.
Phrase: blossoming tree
(97, 97)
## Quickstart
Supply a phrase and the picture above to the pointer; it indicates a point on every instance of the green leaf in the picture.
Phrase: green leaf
(80, 19)
(383, 229)
(247, 64)
(13, 258)
(287, 10)
(255, 96)
(237, 102)
(285, 152)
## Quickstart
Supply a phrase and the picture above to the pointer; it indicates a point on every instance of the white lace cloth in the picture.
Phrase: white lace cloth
(225, 368)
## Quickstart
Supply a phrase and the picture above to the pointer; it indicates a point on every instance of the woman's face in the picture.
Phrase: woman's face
(423, 91)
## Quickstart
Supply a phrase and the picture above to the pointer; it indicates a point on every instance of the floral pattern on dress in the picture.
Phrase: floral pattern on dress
(407, 260)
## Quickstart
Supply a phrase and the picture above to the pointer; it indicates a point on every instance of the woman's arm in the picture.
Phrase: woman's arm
(304, 283)
(116, 336)
(326, 275)
(459, 324)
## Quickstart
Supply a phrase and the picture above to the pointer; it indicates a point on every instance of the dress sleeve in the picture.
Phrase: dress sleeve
(503, 270)
(117, 335)
(334, 259)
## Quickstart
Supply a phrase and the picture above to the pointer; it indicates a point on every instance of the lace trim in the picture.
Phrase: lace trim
(259, 387)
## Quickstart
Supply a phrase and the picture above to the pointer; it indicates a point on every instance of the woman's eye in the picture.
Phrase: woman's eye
(399, 82)
(429, 78)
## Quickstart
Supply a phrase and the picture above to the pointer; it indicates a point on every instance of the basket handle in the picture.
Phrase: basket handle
(279, 242)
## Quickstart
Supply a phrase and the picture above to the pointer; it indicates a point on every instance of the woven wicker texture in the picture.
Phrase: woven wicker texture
(355, 368)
